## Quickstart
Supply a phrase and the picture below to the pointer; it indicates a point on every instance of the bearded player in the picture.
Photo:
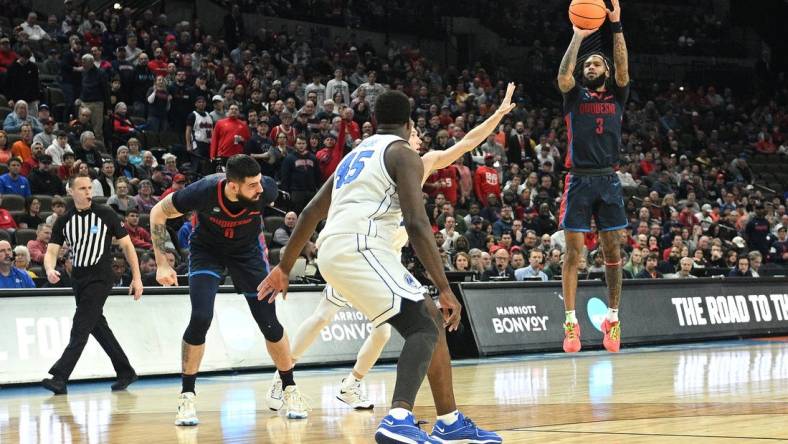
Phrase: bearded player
(350, 391)
(593, 112)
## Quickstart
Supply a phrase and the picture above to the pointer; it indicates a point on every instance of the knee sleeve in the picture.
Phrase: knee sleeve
(413, 319)
(202, 292)
(265, 316)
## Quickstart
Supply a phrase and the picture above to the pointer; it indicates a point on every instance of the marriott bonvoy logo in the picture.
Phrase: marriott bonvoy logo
(519, 319)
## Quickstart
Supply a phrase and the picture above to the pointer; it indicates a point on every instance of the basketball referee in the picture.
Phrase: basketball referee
(89, 228)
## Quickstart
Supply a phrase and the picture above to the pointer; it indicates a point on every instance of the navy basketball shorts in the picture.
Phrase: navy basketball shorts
(247, 268)
(600, 197)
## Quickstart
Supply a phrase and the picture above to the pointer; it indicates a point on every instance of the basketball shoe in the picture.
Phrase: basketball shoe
(350, 393)
(463, 430)
(294, 403)
(395, 431)
(571, 337)
(612, 340)
(187, 414)
(274, 397)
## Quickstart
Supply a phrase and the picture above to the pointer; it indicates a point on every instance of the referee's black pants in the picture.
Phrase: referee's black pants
(91, 291)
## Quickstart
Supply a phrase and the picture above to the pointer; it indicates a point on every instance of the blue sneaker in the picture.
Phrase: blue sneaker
(462, 431)
(396, 431)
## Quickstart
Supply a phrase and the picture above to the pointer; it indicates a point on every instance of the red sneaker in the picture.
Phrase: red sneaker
(571, 337)
(612, 331)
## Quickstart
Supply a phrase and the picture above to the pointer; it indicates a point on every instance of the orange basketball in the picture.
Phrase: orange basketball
(587, 14)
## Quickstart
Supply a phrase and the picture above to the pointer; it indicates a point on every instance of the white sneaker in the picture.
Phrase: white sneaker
(274, 398)
(187, 414)
(295, 405)
(353, 396)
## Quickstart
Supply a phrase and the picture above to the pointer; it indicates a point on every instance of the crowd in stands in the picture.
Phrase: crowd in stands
(145, 106)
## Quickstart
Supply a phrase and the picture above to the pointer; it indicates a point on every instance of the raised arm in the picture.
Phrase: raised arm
(566, 77)
(620, 58)
(159, 214)
(435, 160)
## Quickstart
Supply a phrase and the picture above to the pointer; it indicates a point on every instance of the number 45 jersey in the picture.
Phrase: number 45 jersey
(593, 126)
(364, 198)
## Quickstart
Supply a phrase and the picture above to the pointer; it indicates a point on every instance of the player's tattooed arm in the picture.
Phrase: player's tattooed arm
(619, 45)
(162, 211)
(620, 59)
(158, 235)
(566, 78)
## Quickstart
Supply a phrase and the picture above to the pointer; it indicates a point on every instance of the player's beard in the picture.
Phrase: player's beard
(596, 82)
(249, 203)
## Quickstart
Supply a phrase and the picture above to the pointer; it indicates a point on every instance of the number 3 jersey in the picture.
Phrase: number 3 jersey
(364, 198)
(223, 225)
(593, 126)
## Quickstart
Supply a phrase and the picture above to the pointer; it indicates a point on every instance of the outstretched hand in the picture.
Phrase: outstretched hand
(507, 106)
(276, 282)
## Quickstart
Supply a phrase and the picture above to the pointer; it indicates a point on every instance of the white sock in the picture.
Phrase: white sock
(612, 314)
(349, 381)
(450, 418)
(399, 413)
(570, 317)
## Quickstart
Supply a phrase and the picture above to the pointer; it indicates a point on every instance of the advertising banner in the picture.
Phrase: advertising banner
(523, 317)
(36, 330)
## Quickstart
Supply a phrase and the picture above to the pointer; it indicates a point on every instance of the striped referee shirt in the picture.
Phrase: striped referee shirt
(90, 233)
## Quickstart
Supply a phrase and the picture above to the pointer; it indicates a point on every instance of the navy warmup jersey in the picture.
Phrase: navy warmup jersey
(222, 224)
(593, 123)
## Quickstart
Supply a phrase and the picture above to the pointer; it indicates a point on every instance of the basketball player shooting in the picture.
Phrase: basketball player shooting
(350, 391)
(375, 188)
(593, 112)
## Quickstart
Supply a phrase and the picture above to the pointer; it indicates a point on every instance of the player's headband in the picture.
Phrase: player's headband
(602, 57)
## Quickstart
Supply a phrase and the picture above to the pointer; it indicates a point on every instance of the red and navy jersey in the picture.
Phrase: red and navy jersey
(222, 224)
(593, 125)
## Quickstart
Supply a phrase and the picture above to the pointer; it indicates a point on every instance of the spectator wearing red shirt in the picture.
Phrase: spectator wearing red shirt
(229, 135)
(7, 55)
(140, 237)
(178, 183)
(351, 128)
(446, 181)
(158, 65)
(647, 164)
(485, 180)
(7, 221)
(38, 246)
(285, 128)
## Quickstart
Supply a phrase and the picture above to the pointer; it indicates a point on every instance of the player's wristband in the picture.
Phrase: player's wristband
(616, 27)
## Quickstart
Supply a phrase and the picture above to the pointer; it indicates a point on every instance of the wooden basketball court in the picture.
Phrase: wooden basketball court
(723, 392)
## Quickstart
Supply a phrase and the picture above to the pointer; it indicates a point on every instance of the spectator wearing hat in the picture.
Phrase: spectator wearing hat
(31, 164)
(218, 112)
(47, 136)
(124, 168)
(43, 181)
(178, 183)
(22, 79)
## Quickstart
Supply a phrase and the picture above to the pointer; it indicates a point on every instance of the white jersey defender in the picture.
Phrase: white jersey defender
(357, 253)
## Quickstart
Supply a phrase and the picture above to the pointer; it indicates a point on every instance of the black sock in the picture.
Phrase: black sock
(188, 383)
(287, 378)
